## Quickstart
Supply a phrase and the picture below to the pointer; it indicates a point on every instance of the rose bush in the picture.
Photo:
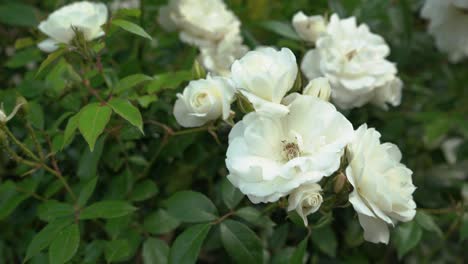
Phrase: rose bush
(188, 131)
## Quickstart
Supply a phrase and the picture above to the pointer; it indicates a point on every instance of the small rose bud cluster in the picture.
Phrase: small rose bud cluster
(208, 25)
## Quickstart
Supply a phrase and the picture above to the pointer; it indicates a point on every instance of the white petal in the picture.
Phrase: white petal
(48, 45)
(375, 230)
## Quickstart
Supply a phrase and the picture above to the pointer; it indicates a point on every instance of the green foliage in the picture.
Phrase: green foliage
(96, 169)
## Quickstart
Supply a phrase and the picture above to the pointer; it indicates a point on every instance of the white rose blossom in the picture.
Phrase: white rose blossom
(309, 28)
(219, 58)
(201, 22)
(204, 100)
(354, 61)
(448, 22)
(306, 200)
(87, 17)
(269, 156)
(264, 76)
(382, 185)
(318, 87)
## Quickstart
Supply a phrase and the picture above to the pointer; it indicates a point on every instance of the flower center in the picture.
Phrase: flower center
(290, 150)
(200, 99)
(350, 55)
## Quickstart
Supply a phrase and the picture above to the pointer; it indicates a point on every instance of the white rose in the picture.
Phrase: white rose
(383, 186)
(389, 93)
(448, 22)
(87, 17)
(201, 22)
(318, 87)
(269, 156)
(309, 28)
(264, 76)
(352, 59)
(305, 200)
(219, 58)
(204, 100)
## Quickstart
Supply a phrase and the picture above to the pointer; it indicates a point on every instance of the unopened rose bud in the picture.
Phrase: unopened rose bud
(318, 87)
(198, 72)
(340, 181)
(306, 199)
(309, 28)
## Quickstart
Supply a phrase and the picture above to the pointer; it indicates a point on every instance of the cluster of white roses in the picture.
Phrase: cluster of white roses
(293, 141)
(448, 22)
(210, 26)
(352, 58)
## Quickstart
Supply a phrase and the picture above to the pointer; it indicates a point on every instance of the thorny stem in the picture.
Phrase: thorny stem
(37, 162)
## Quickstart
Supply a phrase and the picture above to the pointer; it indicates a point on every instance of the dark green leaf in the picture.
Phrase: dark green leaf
(191, 207)
(50, 210)
(65, 244)
(36, 115)
(93, 120)
(16, 14)
(87, 191)
(117, 250)
(160, 222)
(127, 111)
(10, 197)
(70, 129)
(231, 195)
(22, 58)
(155, 251)
(299, 253)
(131, 27)
(427, 222)
(130, 82)
(107, 209)
(50, 59)
(464, 227)
(43, 239)
(187, 245)
(324, 238)
(241, 243)
(406, 237)
(170, 80)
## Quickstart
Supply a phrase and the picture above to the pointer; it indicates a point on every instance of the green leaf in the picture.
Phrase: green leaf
(155, 251)
(22, 58)
(406, 237)
(143, 191)
(128, 12)
(427, 222)
(43, 239)
(93, 120)
(298, 255)
(50, 210)
(107, 209)
(127, 111)
(117, 250)
(187, 245)
(130, 82)
(241, 243)
(160, 222)
(231, 195)
(464, 227)
(87, 191)
(10, 198)
(191, 207)
(131, 27)
(324, 238)
(281, 28)
(16, 14)
(50, 59)
(36, 115)
(249, 214)
(70, 129)
(65, 245)
(169, 80)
